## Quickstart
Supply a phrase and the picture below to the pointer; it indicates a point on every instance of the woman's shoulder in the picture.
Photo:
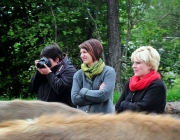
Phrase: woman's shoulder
(109, 68)
(158, 82)
(78, 72)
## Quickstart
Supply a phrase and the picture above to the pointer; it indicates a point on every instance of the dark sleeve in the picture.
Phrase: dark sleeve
(36, 81)
(62, 81)
(118, 107)
(153, 98)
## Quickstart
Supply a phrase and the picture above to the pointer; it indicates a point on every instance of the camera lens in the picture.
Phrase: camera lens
(43, 61)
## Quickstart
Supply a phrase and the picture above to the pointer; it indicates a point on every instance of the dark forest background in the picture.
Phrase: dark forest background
(27, 26)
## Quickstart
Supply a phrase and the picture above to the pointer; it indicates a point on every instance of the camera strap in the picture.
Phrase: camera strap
(60, 70)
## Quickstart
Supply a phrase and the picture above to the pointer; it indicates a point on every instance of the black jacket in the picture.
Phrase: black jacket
(151, 100)
(56, 86)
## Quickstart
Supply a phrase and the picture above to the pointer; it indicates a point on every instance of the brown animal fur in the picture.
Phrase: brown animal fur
(124, 126)
(23, 109)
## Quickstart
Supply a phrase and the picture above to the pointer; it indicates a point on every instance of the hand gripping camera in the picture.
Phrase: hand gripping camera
(43, 61)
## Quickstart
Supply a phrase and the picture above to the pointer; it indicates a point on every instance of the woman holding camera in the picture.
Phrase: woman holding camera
(54, 75)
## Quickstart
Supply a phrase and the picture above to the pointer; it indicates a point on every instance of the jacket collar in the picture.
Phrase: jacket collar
(60, 67)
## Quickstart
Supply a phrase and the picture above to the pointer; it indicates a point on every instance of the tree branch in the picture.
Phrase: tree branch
(55, 26)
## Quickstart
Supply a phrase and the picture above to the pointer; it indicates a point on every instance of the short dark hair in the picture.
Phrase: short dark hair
(93, 47)
(52, 51)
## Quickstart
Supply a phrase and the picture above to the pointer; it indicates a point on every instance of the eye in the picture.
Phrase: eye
(136, 62)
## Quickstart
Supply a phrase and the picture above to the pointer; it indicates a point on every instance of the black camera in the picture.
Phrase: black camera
(43, 61)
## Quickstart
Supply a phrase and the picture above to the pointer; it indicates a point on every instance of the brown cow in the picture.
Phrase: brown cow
(124, 126)
(25, 109)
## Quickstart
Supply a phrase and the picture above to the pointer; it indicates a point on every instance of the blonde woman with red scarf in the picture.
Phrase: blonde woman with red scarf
(145, 91)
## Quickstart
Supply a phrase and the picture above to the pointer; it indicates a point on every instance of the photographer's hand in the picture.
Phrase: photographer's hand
(35, 62)
(45, 71)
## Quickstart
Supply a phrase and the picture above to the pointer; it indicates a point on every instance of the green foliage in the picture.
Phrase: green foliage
(116, 96)
(29, 26)
(173, 94)
(156, 29)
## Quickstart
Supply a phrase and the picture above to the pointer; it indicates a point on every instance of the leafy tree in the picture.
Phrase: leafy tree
(28, 26)
(114, 44)
(156, 30)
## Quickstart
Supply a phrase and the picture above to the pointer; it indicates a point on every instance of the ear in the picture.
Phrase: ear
(150, 67)
(57, 60)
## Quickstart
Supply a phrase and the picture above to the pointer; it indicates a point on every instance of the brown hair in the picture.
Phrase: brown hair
(93, 47)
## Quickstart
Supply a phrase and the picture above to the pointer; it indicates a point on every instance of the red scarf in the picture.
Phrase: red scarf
(139, 84)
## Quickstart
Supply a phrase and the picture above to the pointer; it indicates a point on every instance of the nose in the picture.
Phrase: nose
(81, 55)
(133, 65)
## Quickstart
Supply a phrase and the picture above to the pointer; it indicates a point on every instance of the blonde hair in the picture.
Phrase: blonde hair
(147, 54)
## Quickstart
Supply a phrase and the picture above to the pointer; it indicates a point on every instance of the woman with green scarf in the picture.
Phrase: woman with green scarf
(94, 83)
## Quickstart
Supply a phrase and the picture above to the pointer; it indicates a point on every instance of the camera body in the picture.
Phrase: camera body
(43, 61)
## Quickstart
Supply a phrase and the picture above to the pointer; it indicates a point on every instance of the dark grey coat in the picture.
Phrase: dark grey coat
(85, 94)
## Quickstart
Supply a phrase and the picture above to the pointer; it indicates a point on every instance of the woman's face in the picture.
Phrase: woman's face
(86, 57)
(140, 68)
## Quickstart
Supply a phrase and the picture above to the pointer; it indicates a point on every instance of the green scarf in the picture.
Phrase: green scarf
(94, 70)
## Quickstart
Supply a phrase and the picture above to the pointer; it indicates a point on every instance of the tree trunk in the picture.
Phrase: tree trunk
(114, 44)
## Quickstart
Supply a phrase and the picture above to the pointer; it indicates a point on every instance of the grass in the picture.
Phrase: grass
(172, 95)
(116, 96)
(20, 97)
